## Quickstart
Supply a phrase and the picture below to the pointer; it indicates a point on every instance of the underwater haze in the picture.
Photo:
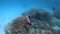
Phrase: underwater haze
(11, 9)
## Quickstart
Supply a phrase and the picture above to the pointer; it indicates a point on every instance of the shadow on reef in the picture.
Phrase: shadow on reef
(37, 21)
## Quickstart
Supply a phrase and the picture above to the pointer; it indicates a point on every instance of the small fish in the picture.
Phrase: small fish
(53, 8)
(28, 20)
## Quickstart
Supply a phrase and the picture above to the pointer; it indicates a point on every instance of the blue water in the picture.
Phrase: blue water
(10, 9)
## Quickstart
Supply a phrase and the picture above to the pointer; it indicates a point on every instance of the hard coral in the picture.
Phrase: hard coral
(38, 23)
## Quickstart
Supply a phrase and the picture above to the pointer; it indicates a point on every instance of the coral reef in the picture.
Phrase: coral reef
(40, 23)
(57, 13)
